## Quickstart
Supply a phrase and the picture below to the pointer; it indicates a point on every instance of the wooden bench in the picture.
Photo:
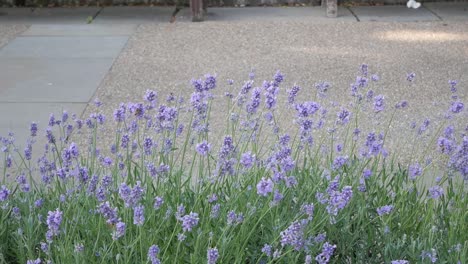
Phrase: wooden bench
(196, 6)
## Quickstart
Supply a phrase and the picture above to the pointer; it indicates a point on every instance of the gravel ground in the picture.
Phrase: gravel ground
(165, 57)
(9, 32)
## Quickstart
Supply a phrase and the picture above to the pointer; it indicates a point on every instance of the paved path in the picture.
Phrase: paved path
(50, 68)
(60, 62)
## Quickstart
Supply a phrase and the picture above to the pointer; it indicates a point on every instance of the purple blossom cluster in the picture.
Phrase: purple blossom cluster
(294, 235)
(326, 254)
(131, 196)
(384, 210)
(153, 252)
(54, 219)
(234, 219)
(212, 255)
(189, 221)
(264, 187)
(203, 148)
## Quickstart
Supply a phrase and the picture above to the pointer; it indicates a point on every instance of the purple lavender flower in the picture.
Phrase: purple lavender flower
(436, 192)
(264, 187)
(308, 259)
(343, 116)
(277, 197)
(291, 182)
(64, 116)
(21, 180)
(339, 162)
(197, 85)
(4, 193)
(45, 247)
(153, 252)
(215, 211)
(33, 129)
(325, 255)
(267, 250)
(322, 88)
(109, 213)
(294, 235)
(189, 221)
(119, 113)
(38, 203)
(52, 121)
(387, 209)
(432, 255)
(180, 212)
(414, 171)
(203, 148)
(338, 200)
(54, 219)
(361, 81)
(158, 202)
(138, 109)
(255, 101)
(119, 232)
(148, 145)
(210, 82)
(139, 215)
(212, 255)
(320, 238)
(400, 261)
(457, 107)
(247, 160)
(293, 93)
(231, 217)
(453, 85)
(79, 247)
(379, 103)
(278, 78)
(36, 261)
(410, 76)
(151, 96)
(364, 69)
(309, 210)
(366, 173)
(50, 136)
(16, 213)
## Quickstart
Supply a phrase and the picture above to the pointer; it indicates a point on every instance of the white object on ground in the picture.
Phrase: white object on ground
(413, 4)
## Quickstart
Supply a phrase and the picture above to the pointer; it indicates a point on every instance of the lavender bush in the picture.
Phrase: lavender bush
(166, 190)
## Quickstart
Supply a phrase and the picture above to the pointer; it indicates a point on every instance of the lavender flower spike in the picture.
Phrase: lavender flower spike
(264, 187)
(54, 219)
(212, 255)
(203, 148)
(387, 209)
(189, 221)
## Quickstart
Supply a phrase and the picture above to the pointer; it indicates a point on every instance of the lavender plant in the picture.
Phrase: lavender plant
(166, 190)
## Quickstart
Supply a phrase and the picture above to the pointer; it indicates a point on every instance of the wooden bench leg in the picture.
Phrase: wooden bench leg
(332, 8)
(197, 10)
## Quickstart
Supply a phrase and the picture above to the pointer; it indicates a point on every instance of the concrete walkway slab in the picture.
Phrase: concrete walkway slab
(51, 80)
(133, 15)
(64, 47)
(80, 30)
(393, 14)
(72, 15)
(449, 11)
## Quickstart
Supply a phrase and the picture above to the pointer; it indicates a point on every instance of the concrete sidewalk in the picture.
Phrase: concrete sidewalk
(60, 62)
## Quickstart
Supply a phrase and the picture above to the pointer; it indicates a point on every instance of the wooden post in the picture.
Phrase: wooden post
(332, 8)
(197, 10)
